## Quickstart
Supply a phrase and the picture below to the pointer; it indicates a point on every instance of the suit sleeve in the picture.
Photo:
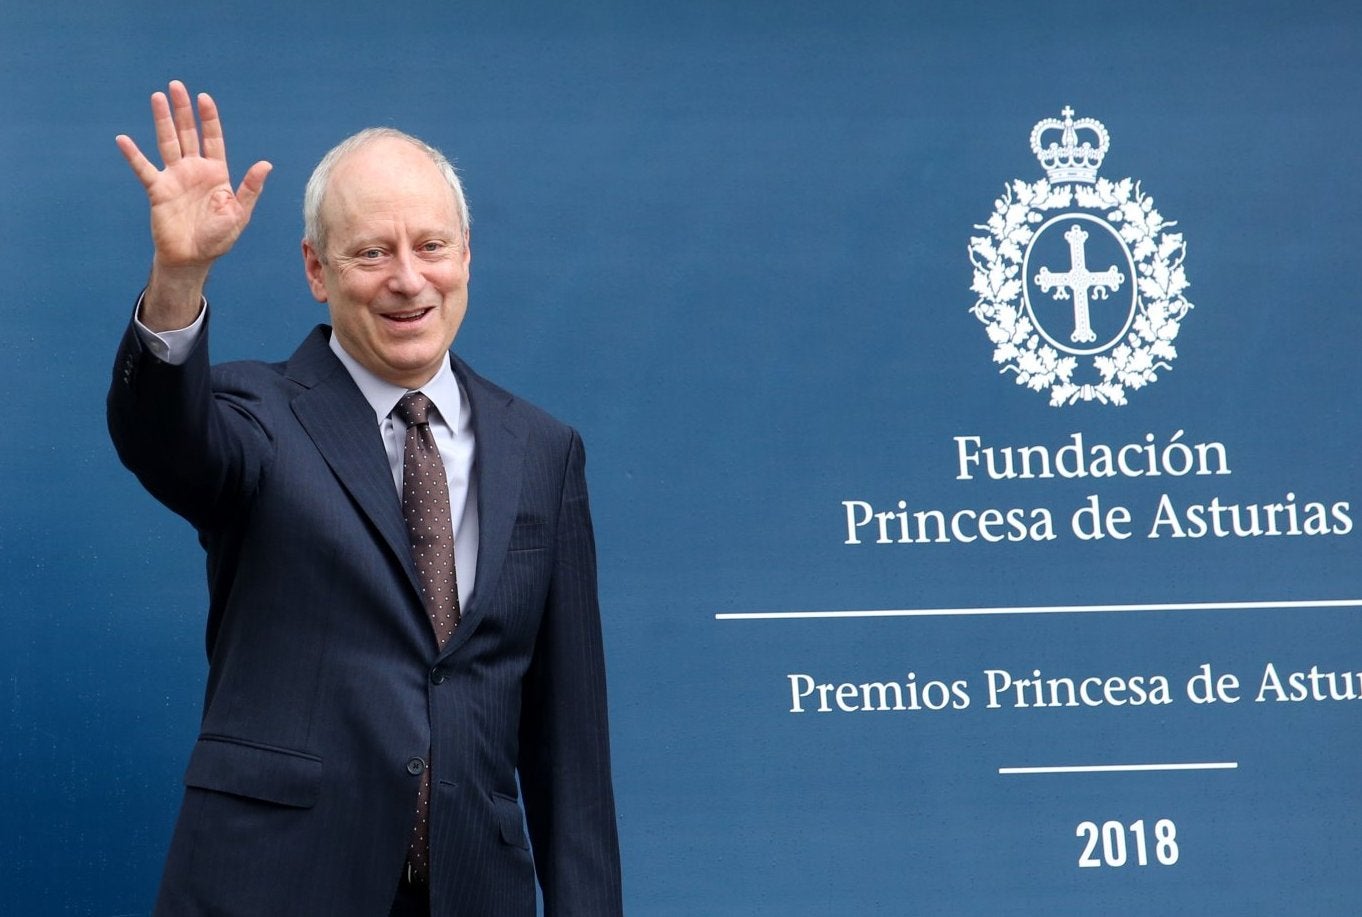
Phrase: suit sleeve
(194, 449)
(564, 741)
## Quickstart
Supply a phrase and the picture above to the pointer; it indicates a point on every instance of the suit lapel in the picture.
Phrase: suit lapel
(341, 424)
(500, 437)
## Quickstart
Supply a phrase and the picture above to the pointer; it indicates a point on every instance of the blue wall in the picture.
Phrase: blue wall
(728, 241)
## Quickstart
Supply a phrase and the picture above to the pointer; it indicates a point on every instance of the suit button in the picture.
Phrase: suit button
(416, 767)
(438, 676)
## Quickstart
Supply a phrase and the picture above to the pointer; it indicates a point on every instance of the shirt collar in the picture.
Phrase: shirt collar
(442, 388)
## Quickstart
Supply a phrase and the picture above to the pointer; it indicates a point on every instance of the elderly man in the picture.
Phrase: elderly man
(403, 633)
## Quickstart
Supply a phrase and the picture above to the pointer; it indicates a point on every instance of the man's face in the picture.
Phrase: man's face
(395, 269)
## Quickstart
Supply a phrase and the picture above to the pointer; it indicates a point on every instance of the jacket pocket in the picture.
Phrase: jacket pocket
(510, 821)
(529, 536)
(242, 768)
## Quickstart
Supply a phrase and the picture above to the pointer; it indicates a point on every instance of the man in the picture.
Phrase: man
(389, 661)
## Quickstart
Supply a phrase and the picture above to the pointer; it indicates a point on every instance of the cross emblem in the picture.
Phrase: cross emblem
(1081, 282)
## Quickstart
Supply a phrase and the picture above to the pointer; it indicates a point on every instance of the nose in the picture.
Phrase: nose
(406, 277)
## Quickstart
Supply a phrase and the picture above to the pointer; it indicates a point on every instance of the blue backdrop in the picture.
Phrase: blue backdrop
(731, 243)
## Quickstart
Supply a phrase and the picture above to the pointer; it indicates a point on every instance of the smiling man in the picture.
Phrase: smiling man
(387, 249)
(405, 661)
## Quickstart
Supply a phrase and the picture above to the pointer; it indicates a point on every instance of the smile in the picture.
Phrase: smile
(406, 317)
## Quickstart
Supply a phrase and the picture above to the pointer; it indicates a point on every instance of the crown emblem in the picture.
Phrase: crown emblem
(1066, 160)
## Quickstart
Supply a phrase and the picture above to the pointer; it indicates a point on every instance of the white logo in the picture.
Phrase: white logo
(1074, 267)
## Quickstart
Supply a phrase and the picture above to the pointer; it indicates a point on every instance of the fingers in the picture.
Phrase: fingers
(214, 146)
(177, 135)
(185, 128)
(252, 184)
(141, 167)
(166, 139)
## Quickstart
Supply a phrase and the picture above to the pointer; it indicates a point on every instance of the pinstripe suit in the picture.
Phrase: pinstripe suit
(325, 687)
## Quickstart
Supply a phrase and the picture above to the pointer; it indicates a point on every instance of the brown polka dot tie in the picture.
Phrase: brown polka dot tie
(425, 504)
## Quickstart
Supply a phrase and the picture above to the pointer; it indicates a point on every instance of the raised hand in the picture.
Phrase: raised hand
(196, 217)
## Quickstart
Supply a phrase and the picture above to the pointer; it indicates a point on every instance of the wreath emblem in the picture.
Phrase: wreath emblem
(1013, 292)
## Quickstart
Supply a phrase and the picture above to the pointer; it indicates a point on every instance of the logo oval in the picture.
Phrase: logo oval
(1079, 284)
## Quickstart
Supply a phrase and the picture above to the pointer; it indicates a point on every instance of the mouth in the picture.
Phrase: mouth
(409, 317)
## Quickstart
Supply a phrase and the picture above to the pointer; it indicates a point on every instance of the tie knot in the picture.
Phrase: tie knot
(413, 408)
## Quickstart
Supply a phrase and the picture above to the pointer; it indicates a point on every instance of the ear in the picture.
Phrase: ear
(312, 265)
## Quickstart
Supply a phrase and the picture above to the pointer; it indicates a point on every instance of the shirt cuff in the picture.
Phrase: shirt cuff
(173, 347)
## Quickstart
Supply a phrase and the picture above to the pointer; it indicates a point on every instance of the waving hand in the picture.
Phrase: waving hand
(196, 217)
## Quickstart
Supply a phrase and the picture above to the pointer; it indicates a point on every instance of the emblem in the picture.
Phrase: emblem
(1079, 279)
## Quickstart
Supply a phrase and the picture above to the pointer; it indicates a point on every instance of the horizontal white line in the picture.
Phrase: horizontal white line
(1034, 610)
(1106, 768)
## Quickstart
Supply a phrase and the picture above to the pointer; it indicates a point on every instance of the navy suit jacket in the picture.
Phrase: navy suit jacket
(326, 691)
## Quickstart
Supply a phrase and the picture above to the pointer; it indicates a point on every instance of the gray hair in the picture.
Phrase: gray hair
(314, 229)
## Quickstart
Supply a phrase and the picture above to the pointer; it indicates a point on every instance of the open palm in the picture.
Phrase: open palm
(196, 217)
